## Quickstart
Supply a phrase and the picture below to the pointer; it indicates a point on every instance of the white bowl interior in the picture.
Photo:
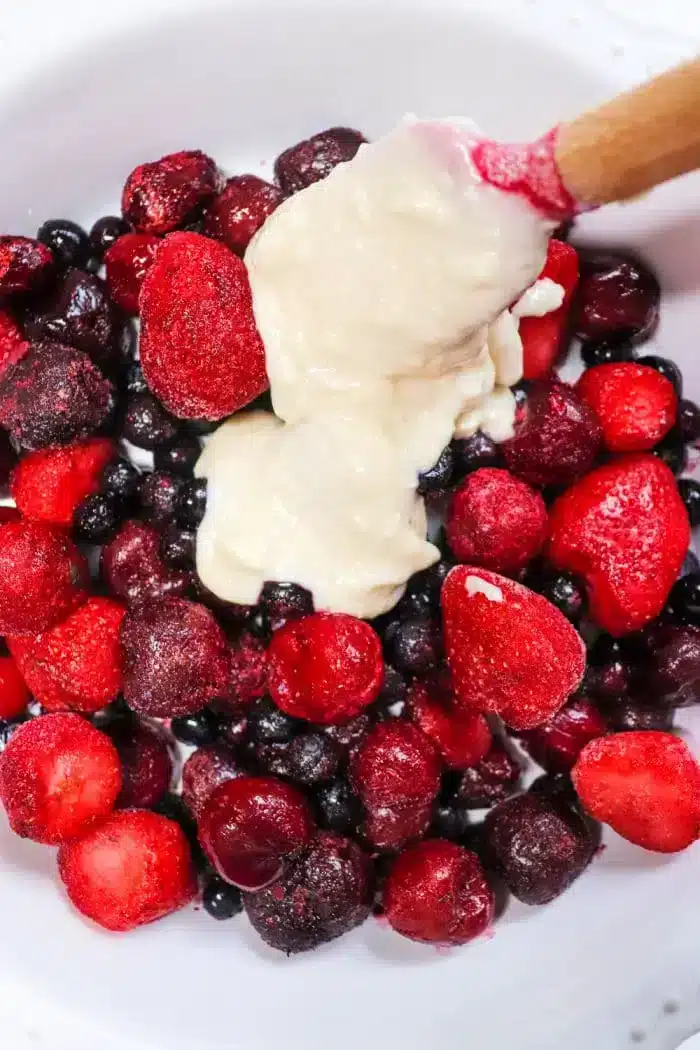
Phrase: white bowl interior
(241, 82)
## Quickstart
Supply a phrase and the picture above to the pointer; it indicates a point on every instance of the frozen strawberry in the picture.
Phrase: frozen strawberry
(436, 892)
(164, 194)
(624, 530)
(24, 265)
(127, 262)
(14, 695)
(325, 667)
(12, 341)
(53, 395)
(509, 650)
(556, 744)
(176, 659)
(311, 160)
(557, 436)
(646, 785)
(43, 577)
(461, 736)
(131, 870)
(635, 404)
(201, 353)
(543, 337)
(58, 776)
(496, 521)
(240, 210)
(48, 485)
(76, 665)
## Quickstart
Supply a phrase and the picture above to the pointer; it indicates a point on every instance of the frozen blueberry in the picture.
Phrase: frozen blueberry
(177, 546)
(96, 519)
(179, 457)
(268, 725)
(158, 495)
(192, 503)
(413, 646)
(605, 351)
(688, 421)
(476, 451)
(147, 424)
(69, 243)
(439, 475)
(667, 368)
(673, 452)
(199, 729)
(106, 231)
(690, 494)
(220, 899)
(120, 479)
(280, 602)
(312, 758)
(338, 807)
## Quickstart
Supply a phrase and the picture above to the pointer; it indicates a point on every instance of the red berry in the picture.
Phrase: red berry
(163, 194)
(127, 262)
(635, 404)
(24, 264)
(509, 649)
(250, 826)
(543, 337)
(492, 780)
(624, 530)
(321, 895)
(556, 744)
(325, 667)
(133, 569)
(557, 436)
(496, 520)
(617, 298)
(646, 785)
(538, 845)
(240, 210)
(131, 870)
(396, 765)
(12, 341)
(76, 665)
(203, 771)
(248, 673)
(14, 695)
(58, 776)
(461, 736)
(176, 659)
(53, 395)
(311, 160)
(201, 353)
(43, 577)
(436, 892)
(389, 828)
(147, 764)
(50, 484)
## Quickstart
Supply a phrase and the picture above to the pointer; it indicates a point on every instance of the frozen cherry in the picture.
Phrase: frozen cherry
(395, 765)
(322, 894)
(240, 210)
(493, 779)
(133, 568)
(538, 847)
(314, 158)
(556, 744)
(25, 265)
(250, 826)
(127, 262)
(617, 298)
(147, 765)
(674, 665)
(204, 770)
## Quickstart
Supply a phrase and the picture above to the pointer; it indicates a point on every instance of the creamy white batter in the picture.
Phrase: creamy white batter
(381, 295)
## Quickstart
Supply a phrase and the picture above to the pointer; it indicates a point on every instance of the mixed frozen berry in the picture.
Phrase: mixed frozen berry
(333, 767)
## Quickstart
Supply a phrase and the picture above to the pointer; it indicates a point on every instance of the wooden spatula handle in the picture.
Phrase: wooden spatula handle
(636, 141)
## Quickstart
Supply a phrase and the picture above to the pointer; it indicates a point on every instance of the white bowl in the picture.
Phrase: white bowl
(87, 91)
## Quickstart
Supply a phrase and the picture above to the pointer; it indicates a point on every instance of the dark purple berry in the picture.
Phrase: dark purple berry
(422, 597)
(69, 243)
(199, 729)
(538, 846)
(158, 496)
(691, 563)
(617, 299)
(8, 461)
(605, 351)
(673, 671)
(220, 899)
(338, 808)
(684, 599)
(281, 602)
(439, 476)
(96, 519)
(451, 820)
(562, 590)
(690, 494)
(474, 452)
(312, 758)
(391, 702)
(180, 457)
(629, 715)
(268, 725)
(667, 368)
(134, 380)
(106, 231)
(312, 159)
(147, 424)
(177, 547)
(192, 503)
(121, 479)
(490, 781)
(413, 647)
(688, 421)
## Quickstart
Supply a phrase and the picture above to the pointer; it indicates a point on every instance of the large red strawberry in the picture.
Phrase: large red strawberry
(543, 337)
(509, 649)
(624, 529)
(201, 353)
(635, 404)
(49, 484)
(646, 785)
